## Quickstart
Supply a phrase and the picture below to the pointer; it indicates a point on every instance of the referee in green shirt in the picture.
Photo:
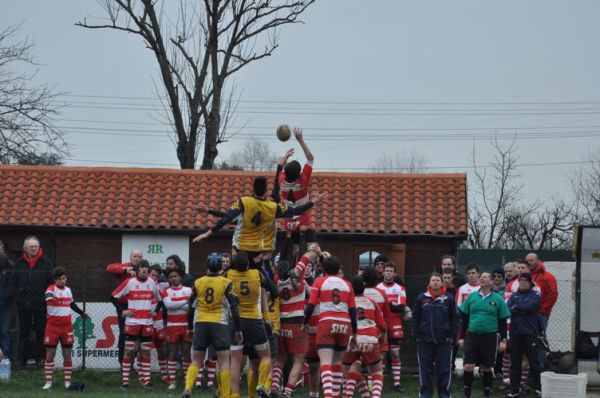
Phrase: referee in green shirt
(484, 316)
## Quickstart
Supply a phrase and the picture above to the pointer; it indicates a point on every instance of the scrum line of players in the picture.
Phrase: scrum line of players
(234, 318)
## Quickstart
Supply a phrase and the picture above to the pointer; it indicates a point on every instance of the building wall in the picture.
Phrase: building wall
(86, 254)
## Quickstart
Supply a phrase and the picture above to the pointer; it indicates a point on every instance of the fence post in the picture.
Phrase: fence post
(84, 337)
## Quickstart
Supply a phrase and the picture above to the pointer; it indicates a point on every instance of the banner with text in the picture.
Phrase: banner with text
(157, 248)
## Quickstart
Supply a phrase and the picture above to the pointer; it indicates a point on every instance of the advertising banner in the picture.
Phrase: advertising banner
(157, 248)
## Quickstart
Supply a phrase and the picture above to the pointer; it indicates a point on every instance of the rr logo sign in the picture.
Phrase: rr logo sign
(155, 248)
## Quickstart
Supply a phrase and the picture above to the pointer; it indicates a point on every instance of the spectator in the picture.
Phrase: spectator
(471, 286)
(524, 306)
(6, 269)
(510, 271)
(175, 262)
(379, 264)
(498, 280)
(546, 282)
(225, 261)
(123, 271)
(28, 282)
(480, 331)
(447, 280)
(435, 325)
(449, 261)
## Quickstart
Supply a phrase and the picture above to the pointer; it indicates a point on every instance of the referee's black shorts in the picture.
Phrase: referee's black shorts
(481, 349)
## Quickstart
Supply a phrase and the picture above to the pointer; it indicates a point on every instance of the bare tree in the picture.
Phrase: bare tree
(495, 191)
(498, 218)
(27, 114)
(255, 156)
(585, 184)
(403, 162)
(197, 50)
(540, 227)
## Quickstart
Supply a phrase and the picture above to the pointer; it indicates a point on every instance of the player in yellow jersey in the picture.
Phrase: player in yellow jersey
(257, 215)
(248, 284)
(215, 300)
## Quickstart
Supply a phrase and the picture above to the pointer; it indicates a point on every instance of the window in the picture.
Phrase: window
(366, 259)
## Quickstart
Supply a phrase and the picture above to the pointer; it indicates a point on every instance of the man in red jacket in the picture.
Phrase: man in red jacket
(123, 271)
(549, 292)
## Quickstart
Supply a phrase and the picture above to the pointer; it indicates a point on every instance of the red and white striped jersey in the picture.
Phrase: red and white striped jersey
(58, 305)
(335, 297)
(140, 296)
(295, 193)
(291, 301)
(176, 301)
(369, 319)
(379, 297)
(395, 294)
(464, 291)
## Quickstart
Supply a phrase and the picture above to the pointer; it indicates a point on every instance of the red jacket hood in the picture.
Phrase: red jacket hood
(539, 268)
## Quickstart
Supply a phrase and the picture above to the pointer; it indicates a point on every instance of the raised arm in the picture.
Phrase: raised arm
(231, 214)
(300, 138)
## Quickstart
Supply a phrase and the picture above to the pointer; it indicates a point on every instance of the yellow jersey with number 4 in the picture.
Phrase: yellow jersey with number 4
(258, 219)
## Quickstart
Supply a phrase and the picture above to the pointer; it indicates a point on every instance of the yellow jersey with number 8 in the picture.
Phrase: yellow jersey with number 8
(211, 301)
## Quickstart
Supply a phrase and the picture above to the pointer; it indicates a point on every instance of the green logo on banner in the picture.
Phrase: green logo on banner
(78, 330)
(155, 249)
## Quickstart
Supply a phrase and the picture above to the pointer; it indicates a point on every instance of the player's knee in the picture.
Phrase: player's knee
(146, 346)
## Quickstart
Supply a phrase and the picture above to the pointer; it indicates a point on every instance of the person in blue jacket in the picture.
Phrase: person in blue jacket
(435, 325)
(524, 306)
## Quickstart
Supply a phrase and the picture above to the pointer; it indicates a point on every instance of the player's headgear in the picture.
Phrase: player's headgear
(141, 264)
(292, 171)
(213, 262)
(283, 269)
(370, 277)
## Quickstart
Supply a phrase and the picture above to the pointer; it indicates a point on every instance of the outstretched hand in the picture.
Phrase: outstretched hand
(298, 133)
(319, 198)
(203, 236)
(202, 209)
(283, 159)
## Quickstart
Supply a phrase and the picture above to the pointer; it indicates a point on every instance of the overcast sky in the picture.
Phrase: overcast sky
(362, 77)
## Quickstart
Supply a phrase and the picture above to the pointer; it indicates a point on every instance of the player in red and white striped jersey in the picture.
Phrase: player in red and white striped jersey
(292, 339)
(396, 297)
(372, 329)
(59, 326)
(471, 286)
(176, 300)
(337, 323)
(138, 295)
(159, 338)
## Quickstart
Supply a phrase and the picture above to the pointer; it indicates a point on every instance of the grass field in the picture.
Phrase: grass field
(28, 384)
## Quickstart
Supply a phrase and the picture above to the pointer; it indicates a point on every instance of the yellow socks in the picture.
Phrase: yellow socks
(252, 381)
(190, 377)
(224, 377)
(264, 373)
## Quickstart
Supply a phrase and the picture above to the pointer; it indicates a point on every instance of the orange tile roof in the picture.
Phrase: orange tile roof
(132, 198)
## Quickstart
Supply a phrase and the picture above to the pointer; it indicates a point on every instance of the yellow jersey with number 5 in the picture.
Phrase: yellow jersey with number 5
(247, 285)
(211, 299)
